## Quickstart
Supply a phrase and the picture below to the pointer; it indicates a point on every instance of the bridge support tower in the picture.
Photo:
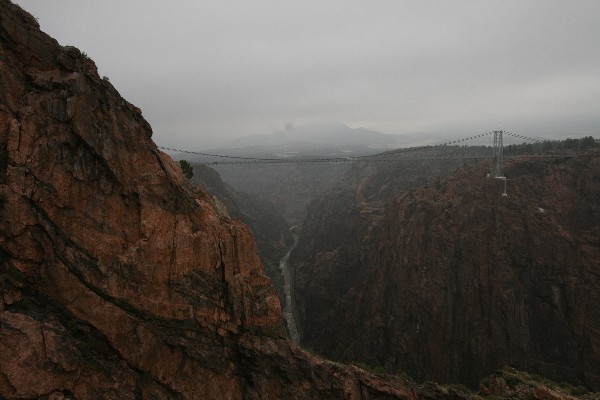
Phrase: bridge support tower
(497, 167)
(498, 164)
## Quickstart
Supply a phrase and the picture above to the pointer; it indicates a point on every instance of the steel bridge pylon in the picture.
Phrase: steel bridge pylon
(497, 166)
(497, 171)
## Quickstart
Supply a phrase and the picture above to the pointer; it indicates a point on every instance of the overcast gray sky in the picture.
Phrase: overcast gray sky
(200, 70)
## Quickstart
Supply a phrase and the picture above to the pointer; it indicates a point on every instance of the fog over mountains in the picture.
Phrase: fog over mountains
(316, 139)
(207, 71)
(321, 133)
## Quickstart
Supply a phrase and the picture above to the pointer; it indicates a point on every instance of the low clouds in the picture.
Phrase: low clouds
(204, 70)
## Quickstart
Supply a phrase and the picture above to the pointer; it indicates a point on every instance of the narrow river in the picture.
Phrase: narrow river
(288, 276)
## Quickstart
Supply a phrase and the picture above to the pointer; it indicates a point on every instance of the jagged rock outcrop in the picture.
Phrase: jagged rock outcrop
(117, 279)
(100, 225)
(453, 280)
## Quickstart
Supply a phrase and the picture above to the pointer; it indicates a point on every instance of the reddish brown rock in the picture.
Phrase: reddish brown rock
(118, 280)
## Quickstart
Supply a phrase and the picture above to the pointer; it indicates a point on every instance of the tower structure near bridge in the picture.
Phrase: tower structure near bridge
(497, 166)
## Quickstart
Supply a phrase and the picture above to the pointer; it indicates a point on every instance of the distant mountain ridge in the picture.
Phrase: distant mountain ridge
(325, 133)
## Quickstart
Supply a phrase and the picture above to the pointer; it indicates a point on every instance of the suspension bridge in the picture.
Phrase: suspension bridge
(420, 152)
(489, 145)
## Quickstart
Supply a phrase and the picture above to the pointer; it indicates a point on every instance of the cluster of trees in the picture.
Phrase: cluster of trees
(186, 167)
(587, 142)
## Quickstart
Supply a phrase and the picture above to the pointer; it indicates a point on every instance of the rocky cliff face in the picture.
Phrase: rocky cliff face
(327, 260)
(117, 279)
(271, 231)
(453, 280)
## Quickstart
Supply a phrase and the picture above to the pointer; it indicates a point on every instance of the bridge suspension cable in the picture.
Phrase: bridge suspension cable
(526, 138)
(231, 159)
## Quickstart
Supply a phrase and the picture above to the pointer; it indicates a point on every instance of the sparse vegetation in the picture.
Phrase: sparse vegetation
(360, 365)
(459, 388)
(14, 275)
(378, 369)
(522, 384)
(406, 375)
(485, 381)
(186, 167)
(574, 390)
(587, 142)
(513, 380)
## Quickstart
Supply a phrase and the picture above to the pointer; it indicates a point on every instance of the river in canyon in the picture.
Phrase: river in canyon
(288, 276)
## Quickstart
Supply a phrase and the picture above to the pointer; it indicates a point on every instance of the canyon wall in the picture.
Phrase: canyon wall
(452, 280)
(269, 228)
